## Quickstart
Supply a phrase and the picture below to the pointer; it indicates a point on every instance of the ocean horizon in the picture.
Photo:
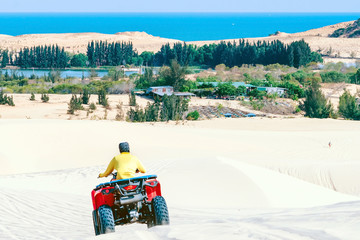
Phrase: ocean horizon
(181, 26)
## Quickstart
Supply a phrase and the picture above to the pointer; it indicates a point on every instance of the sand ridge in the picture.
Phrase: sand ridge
(77, 42)
(220, 178)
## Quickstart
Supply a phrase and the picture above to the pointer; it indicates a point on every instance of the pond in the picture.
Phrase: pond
(64, 73)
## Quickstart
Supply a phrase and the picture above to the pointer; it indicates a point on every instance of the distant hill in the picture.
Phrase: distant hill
(351, 31)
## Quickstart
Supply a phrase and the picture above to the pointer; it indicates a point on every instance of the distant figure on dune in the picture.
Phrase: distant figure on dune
(330, 144)
(125, 164)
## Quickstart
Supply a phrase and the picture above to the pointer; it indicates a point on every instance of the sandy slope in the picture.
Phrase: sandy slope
(212, 176)
(317, 39)
(77, 42)
(333, 91)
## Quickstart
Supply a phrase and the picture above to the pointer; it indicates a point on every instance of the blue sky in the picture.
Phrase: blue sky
(179, 6)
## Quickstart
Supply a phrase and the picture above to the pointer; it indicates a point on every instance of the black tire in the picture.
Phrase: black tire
(96, 222)
(106, 220)
(160, 213)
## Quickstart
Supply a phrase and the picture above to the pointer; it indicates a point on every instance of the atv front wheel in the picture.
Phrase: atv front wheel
(160, 214)
(106, 220)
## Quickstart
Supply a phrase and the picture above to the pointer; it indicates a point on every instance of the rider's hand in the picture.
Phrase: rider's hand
(99, 175)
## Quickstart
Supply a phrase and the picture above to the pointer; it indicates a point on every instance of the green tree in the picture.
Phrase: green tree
(116, 73)
(79, 60)
(136, 115)
(152, 112)
(85, 96)
(145, 80)
(225, 89)
(172, 108)
(5, 58)
(357, 76)
(174, 75)
(316, 105)
(102, 99)
(348, 106)
(148, 58)
(132, 99)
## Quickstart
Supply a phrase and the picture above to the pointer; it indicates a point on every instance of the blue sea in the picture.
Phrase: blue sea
(182, 26)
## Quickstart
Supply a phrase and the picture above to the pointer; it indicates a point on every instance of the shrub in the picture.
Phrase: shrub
(103, 100)
(333, 76)
(257, 105)
(171, 108)
(348, 107)
(85, 96)
(4, 99)
(74, 104)
(32, 98)
(152, 112)
(45, 97)
(132, 99)
(316, 105)
(92, 106)
(136, 115)
(120, 114)
(193, 115)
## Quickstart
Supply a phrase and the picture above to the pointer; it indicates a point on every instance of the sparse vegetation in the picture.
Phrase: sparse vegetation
(351, 31)
(5, 99)
(171, 108)
(92, 106)
(193, 116)
(120, 112)
(45, 97)
(102, 99)
(85, 96)
(132, 99)
(75, 104)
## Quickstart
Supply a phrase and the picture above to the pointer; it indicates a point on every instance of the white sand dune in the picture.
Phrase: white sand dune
(216, 180)
(318, 40)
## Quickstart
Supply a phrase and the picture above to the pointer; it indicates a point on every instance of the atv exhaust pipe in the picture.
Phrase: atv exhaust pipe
(130, 199)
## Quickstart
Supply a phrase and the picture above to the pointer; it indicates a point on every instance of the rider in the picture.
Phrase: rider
(125, 164)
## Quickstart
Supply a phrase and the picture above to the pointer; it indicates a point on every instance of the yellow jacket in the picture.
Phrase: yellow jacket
(125, 164)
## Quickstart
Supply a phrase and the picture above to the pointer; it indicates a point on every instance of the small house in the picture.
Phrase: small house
(160, 91)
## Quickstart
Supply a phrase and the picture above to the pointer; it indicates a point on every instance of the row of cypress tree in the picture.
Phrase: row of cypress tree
(102, 53)
(232, 54)
(42, 57)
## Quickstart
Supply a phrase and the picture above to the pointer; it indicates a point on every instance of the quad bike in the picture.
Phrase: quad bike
(126, 201)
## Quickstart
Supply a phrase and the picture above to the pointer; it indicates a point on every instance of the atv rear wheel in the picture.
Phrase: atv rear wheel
(160, 214)
(106, 220)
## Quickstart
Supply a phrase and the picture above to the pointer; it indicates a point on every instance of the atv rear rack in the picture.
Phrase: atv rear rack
(125, 181)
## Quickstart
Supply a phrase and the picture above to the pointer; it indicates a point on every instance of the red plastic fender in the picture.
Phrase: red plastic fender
(153, 189)
(103, 196)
